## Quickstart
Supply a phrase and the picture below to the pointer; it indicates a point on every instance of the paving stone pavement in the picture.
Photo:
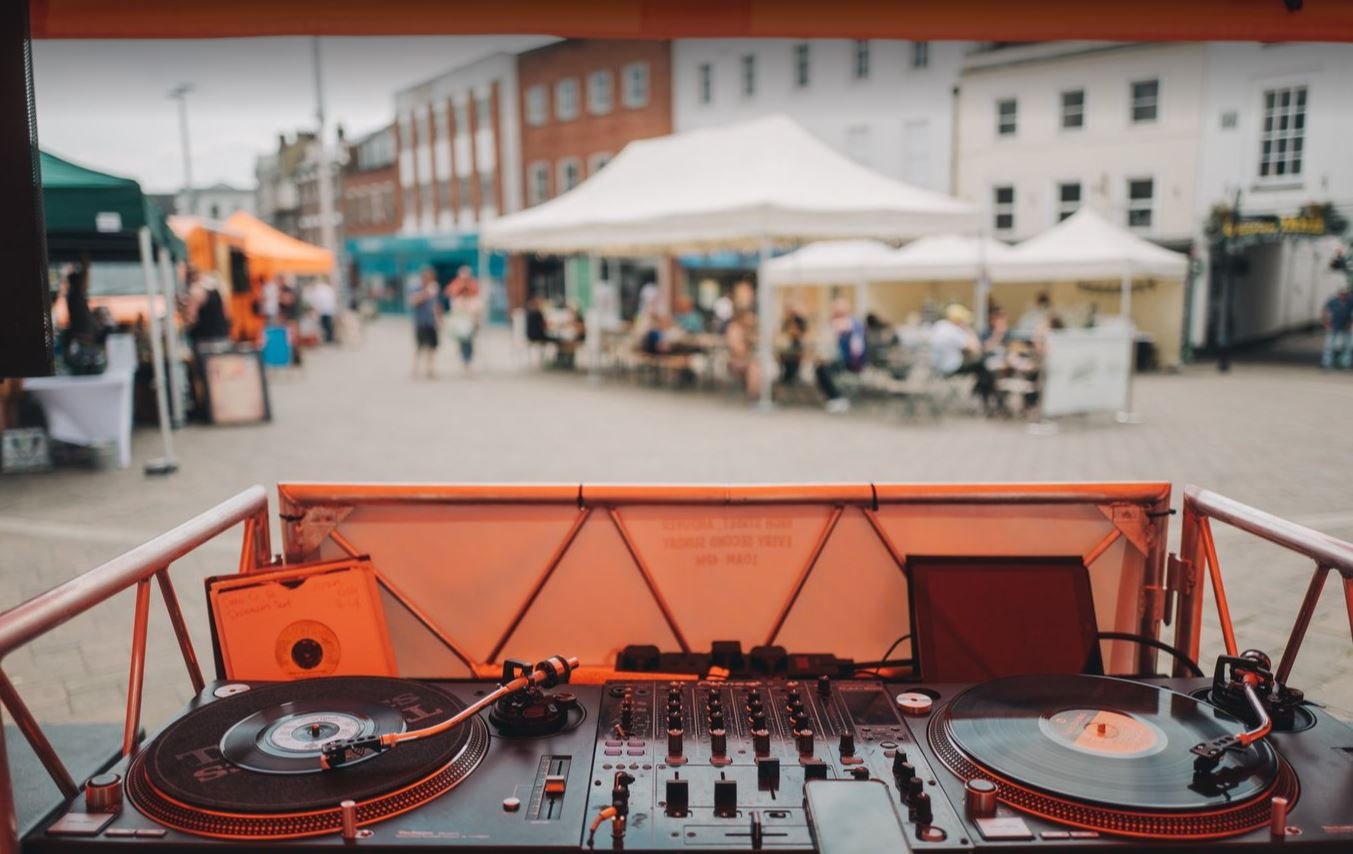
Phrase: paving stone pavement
(1275, 437)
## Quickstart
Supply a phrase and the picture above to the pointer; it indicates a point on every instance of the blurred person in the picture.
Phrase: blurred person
(204, 312)
(879, 334)
(793, 332)
(740, 338)
(744, 296)
(572, 335)
(1337, 318)
(1036, 317)
(955, 349)
(270, 300)
(723, 311)
(427, 319)
(537, 326)
(688, 317)
(998, 329)
(321, 296)
(466, 309)
(852, 354)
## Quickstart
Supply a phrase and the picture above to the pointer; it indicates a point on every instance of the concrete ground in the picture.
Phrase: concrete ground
(1276, 437)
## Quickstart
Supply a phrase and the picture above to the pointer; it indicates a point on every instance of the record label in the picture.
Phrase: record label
(308, 648)
(1101, 732)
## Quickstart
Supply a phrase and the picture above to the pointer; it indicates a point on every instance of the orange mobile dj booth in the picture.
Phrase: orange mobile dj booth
(938, 667)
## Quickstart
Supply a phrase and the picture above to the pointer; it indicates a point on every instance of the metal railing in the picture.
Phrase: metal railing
(1198, 550)
(30, 620)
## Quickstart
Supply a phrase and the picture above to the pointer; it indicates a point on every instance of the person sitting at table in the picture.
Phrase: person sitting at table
(537, 328)
(852, 354)
(740, 339)
(955, 349)
(793, 331)
(688, 317)
(572, 334)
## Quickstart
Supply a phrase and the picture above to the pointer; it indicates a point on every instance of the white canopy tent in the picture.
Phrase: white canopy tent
(744, 186)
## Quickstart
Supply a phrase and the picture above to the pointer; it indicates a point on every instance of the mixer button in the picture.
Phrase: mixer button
(726, 798)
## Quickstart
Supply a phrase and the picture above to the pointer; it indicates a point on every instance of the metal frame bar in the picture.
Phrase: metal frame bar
(43, 613)
(653, 590)
(808, 566)
(545, 575)
(1197, 547)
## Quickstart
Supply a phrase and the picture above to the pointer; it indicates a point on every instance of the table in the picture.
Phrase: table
(88, 410)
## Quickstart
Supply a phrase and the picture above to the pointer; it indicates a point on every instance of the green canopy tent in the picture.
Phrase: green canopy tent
(95, 216)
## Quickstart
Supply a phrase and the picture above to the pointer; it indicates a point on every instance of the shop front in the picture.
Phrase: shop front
(383, 267)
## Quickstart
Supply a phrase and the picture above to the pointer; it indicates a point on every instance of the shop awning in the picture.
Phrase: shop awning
(732, 187)
(271, 252)
(830, 262)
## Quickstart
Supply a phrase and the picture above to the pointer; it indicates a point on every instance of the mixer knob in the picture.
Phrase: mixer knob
(814, 769)
(716, 720)
(920, 810)
(824, 686)
(847, 745)
(859, 772)
(903, 771)
(674, 720)
(718, 745)
(725, 797)
(675, 746)
(761, 742)
(804, 740)
(913, 787)
(801, 721)
(758, 720)
(714, 701)
(900, 762)
(678, 797)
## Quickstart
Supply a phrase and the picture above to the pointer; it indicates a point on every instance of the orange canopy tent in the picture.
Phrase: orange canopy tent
(271, 252)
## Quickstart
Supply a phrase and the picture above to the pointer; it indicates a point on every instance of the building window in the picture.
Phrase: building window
(1141, 192)
(566, 99)
(538, 187)
(1003, 208)
(748, 75)
(440, 121)
(801, 70)
(600, 92)
(1229, 120)
(537, 106)
(861, 64)
(570, 174)
(1073, 109)
(705, 82)
(1145, 100)
(636, 85)
(462, 117)
(1068, 199)
(487, 196)
(464, 191)
(597, 162)
(920, 54)
(1006, 110)
(446, 192)
(1284, 136)
(483, 112)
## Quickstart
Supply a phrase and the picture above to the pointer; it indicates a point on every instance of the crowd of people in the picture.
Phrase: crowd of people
(459, 304)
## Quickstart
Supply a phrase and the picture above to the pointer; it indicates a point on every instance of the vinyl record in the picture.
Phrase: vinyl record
(247, 766)
(1105, 741)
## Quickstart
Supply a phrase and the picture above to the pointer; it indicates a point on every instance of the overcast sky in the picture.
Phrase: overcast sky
(104, 104)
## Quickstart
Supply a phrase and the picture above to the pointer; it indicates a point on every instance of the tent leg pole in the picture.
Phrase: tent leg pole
(593, 324)
(171, 337)
(166, 465)
(765, 298)
(1128, 415)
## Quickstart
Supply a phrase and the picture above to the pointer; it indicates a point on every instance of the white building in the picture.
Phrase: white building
(1278, 128)
(218, 201)
(886, 104)
(1044, 128)
(460, 147)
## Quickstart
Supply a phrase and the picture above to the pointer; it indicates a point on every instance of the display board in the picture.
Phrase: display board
(1087, 370)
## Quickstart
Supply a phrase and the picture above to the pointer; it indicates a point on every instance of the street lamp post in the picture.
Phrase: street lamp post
(180, 94)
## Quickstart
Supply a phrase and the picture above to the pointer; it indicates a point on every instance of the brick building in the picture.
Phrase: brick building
(309, 221)
(580, 102)
(371, 186)
(277, 198)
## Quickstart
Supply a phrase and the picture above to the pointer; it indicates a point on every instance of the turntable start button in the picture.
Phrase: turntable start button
(914, 703)
(511, 804)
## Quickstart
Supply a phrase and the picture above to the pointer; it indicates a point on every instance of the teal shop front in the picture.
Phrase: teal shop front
(382, 268)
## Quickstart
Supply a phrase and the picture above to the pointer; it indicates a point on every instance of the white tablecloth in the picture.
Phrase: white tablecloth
(88, 410)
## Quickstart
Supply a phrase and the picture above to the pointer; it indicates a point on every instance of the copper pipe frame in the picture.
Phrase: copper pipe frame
(545, 575)
(808, 566)
(47, 611)
(1228, 631)
(171, 604)
(653, 590)
(1329, 554)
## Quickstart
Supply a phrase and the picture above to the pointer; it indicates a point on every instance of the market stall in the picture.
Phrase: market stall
(752, 186)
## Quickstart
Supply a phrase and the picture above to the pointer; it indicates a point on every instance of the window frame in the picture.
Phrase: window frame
(536, 193)
(483, 111)
(803, 66)
(861, 59)
(488, 189)
(1133, 206)
(1135, 101)
(704, 83)
(1061, 214)
(561, 166)
(747, 70)
(562, 85)
(1000, 117)
(1000, 209)
(1293, 139)
(604, 157)
(596, 106)
(920, 55)
(1078, 111)
(627, 95)
(537, 105)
